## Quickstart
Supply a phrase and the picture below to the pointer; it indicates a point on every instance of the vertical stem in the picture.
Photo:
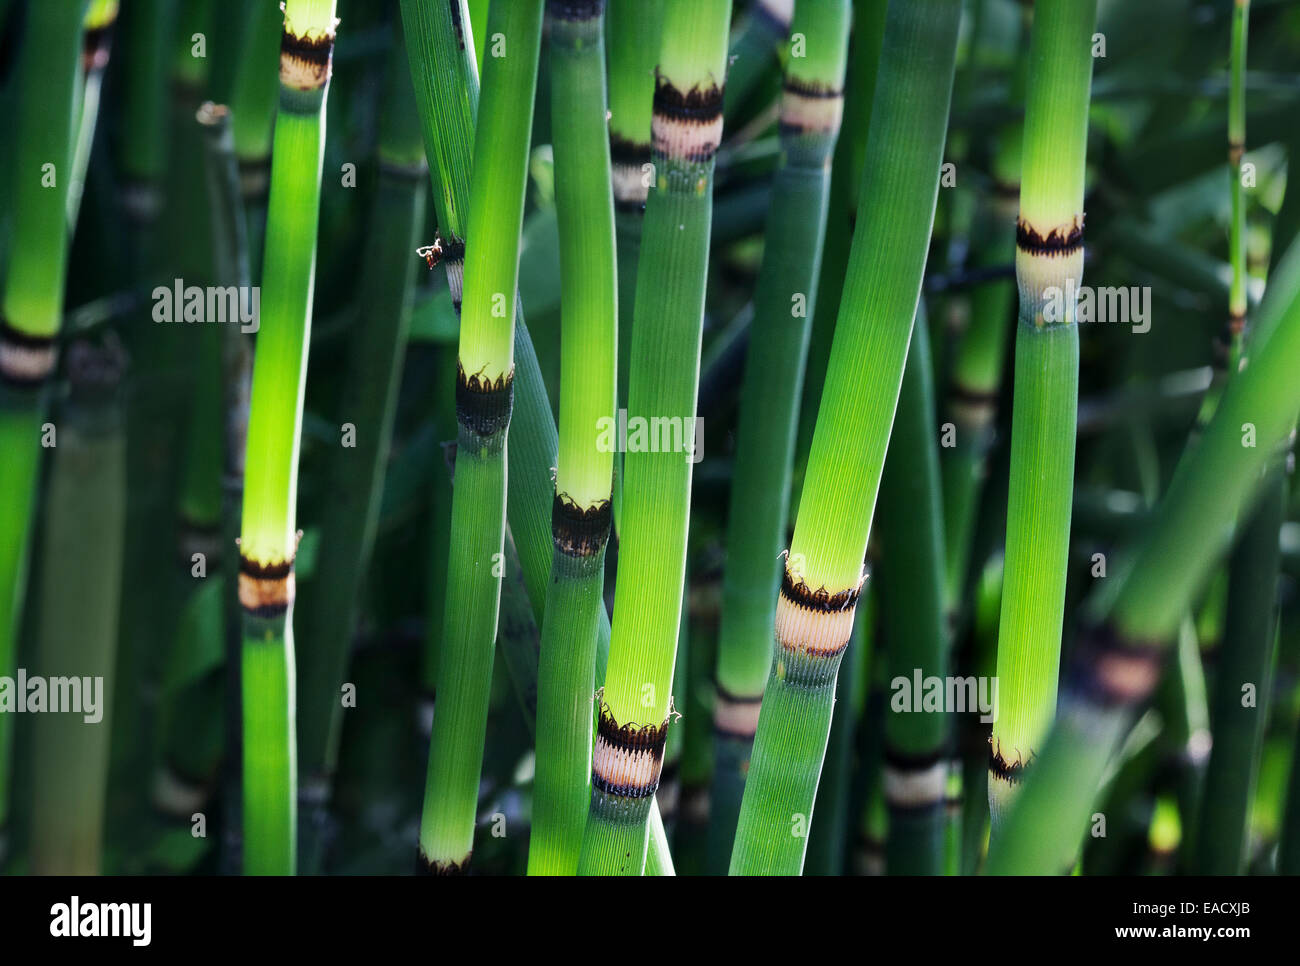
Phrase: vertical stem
(269, 536)
(1049, 270)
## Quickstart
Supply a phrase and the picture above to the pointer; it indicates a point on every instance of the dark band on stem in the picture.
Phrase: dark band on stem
(1006, 190)
(254, 178)
(1235, 151)
(1056, 243)
(1011, 772)
(579, 531)
(796, 591)
(1110, 671)
(628, 758)
(687, 126)
(305, 60)
(626, 151)
(576, 11)
(26, 360)
(427, 866)
(482, 405)
(810, 107)
(735, 715)
(265, 590)
(972, 397)
(95, 47)
(912, 783)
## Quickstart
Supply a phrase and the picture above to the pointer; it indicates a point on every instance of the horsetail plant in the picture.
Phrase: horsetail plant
(369, 407)
(1117, 660)
(1244, 672)
(824, 568)
(484, 397)
(976, 377)
(636, 704)
(446, 84)
(913, 612)
(253, 103)
(97, 41)
(31, 312)
(580, 521)
(82, 546)
(1049, 262)
(268, 539)
(634, 27)
(785, 300)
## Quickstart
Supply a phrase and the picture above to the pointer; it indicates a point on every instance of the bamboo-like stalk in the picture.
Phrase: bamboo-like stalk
(829, 840)
(82, 548)
(633, 28)
(31, 311)
(97, 42)
(1250, 620)
(785, 301)
(580, 521)
(846, 180)
(356, 472)
(446, 85)
(268, 538)
(823, 573)
(1242, 685)
(753, 47)
(913, 622)
(230, 267)
(253, 104)
(978, 359)
(1049, 269)
(1118, 658)
(484, 396)
(636, 705)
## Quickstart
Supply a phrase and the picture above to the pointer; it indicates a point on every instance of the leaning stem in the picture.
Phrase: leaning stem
(1049, 269)
(823, 573)
(637, 706)
(580, 520)
(785, 301)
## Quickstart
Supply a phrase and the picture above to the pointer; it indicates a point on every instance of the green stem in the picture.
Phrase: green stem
(785, 301)
(823, 573)
(636, 709)
(269, 536)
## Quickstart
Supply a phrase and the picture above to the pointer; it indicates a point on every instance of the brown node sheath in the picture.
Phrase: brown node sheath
(579, 531)
(915, 782)
(686, 126)
(26, 360)
(305, 60)
(814, 622)
(627, 759)
(1235, 151)
(1058, 242)
(95, 47)
(1004, 770)
(483, 405)
(427, 866)
(254, 178)
(735, 715)
(266, 590)
(626, 151)
(810, 108)
(1110, 671)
